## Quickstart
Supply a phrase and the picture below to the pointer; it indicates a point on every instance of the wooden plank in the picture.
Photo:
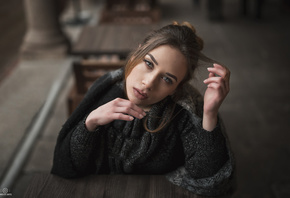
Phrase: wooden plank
(38, 182)
(128, 16)
(96, 186)
(110, 39)
(59, 187)
(138, 186)
(128, 186)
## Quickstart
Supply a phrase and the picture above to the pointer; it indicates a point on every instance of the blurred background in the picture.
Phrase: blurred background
(51, 50)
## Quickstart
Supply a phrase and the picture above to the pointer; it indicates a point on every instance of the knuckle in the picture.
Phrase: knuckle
(113, 109)
(220, 80)
(127, 109)
(117, 100)
(131, 105)
(119, 116)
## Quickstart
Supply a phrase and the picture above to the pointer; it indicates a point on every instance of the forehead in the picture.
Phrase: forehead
(168, 53)
(170, 60)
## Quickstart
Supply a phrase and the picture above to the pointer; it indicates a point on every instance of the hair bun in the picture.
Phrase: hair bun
(198, 39)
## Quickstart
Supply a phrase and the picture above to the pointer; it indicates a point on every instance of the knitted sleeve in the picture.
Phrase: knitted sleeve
(208, 167)
(73, 139)
(83, 145)
(72, 152)
(205, 152)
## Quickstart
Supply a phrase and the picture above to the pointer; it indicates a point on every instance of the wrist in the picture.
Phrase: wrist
(210, 114)
(209, 121)
(90, 124)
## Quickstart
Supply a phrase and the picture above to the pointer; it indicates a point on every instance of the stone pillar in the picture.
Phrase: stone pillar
(44, 37)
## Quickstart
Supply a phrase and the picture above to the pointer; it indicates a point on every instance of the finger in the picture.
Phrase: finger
(129, 104)
(222, 72)
(211, 74)
(220, 89)
(219, 70)
(217, 83)
(218, 80)
(121, 116)
(218, 66)
(225, 69)
(129, 111)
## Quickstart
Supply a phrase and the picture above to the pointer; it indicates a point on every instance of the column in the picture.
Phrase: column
(44, 36)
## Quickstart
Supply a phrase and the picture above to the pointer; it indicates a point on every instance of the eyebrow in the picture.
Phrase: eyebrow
(172, 76)
(153, 59)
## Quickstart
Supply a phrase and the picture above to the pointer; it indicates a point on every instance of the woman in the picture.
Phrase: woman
(148, 119)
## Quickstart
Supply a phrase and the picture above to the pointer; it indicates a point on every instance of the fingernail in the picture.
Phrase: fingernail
(144, 114)
(141, 116)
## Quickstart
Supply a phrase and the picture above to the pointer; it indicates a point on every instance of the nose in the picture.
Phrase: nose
(149, 81)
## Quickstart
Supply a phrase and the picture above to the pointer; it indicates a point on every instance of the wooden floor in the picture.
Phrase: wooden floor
(12, 29)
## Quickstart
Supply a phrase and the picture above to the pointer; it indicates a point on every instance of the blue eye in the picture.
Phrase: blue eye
(149, 64)
(167, 80)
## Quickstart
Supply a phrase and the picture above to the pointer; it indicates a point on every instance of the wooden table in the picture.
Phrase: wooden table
(116, 186)
(110, 39)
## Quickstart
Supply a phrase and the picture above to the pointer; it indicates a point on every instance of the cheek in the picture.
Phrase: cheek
(136, 73)
(129, 82)
(132, 78)
(170, 92)
(135, 69)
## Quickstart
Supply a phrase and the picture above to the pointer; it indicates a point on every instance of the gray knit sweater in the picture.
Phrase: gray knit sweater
(189, 156)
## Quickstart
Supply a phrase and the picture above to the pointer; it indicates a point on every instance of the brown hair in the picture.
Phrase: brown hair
(180, 36)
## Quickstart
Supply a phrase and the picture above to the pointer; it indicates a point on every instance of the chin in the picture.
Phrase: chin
(136, 102)
(133, 100)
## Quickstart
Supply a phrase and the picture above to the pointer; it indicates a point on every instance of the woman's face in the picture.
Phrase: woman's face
(156, 77)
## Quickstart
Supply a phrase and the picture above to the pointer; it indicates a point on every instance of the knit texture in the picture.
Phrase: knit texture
(188, 155)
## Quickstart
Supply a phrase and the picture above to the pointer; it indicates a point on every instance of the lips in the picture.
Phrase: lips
(139, 94)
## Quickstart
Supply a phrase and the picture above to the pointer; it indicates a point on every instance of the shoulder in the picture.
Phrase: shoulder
(191, 101)
(109, 78)
(189, 108)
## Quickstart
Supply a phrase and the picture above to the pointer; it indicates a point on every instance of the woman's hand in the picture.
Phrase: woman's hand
(217, 89)
(118, 109)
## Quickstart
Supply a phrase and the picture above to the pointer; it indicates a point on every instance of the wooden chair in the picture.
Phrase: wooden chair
(85, 73)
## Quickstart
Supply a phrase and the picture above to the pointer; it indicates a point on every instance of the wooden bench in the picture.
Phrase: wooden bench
(109, 39)
(85, 73)
(131, 12)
